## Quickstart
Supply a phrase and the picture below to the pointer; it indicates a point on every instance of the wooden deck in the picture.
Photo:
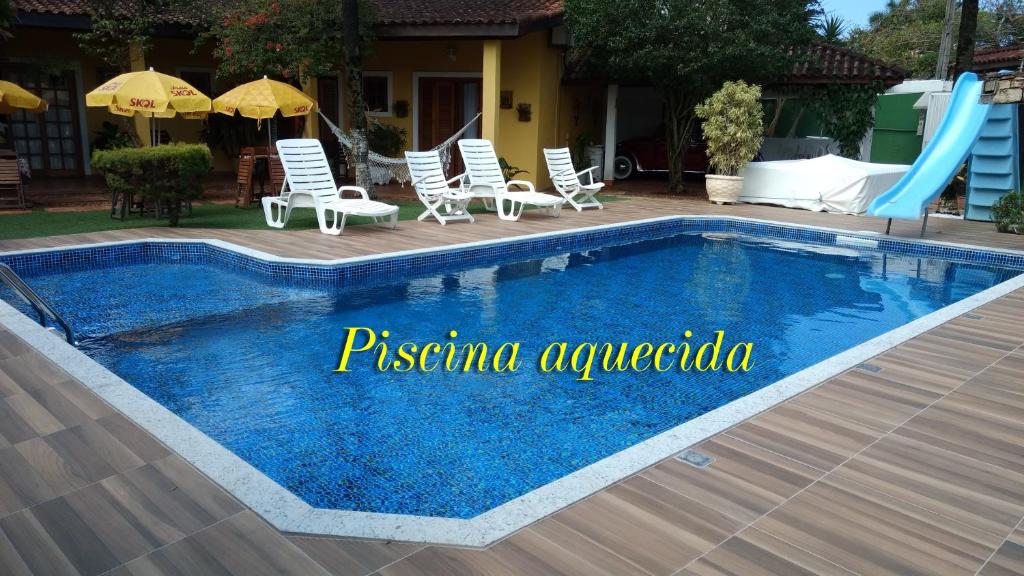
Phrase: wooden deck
(915, 469)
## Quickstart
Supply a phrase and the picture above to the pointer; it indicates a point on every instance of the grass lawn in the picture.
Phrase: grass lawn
(39, 223)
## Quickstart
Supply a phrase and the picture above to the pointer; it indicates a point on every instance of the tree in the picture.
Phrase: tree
(289, 39)
(1009, 15)
(907, 33)
(356, 105)
(6, 19)
(297, 40)
(117, 25)
(687, 49)
(965, 38)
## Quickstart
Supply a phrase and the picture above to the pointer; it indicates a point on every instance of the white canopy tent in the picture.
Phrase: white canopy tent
(825, 184)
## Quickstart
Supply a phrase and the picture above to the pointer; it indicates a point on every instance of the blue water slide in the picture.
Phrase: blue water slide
(943, 156)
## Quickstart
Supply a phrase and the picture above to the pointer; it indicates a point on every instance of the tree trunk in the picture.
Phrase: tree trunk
(356, 105)
(173, 213)
(679, 124)
(966, 36)
(948, 201)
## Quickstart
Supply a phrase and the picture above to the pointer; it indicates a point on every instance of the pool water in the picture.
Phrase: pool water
(249, 360)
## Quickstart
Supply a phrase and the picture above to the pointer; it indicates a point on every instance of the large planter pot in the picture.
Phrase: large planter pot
(723, 189)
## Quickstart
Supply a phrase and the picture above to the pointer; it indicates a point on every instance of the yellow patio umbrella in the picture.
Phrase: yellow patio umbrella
(168, 113)
(14, 97)
(262, 99)
(149, 93)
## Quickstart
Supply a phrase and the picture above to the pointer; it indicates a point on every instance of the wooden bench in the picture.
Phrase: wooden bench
(12, 191)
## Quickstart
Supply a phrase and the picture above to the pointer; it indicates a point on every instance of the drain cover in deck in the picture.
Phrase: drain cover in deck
(695, 458)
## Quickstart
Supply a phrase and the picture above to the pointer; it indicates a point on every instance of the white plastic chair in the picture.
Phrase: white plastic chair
(442, 202)
(567, 180)
(309, 183)
(487, 182)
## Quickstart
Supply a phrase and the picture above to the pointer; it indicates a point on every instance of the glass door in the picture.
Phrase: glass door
(49, 141)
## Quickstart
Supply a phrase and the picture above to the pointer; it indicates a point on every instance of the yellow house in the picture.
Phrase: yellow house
(428, 73)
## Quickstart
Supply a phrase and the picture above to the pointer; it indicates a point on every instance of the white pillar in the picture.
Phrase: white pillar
(610, 119)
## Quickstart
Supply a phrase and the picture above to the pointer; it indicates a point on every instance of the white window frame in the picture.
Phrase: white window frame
(390, 78)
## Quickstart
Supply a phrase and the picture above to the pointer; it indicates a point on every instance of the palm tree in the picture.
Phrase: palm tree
(832, 28)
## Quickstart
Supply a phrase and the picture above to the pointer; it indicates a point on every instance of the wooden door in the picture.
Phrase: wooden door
(49, 141)
(445, 106)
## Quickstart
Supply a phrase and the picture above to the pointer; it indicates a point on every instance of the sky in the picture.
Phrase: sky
(855, 12)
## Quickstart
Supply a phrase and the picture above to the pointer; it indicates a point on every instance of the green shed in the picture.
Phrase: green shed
(896, 138)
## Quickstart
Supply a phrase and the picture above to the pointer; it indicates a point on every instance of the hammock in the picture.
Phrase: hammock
(384, 169)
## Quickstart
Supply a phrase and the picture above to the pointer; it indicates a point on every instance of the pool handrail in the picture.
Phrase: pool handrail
(42, 308)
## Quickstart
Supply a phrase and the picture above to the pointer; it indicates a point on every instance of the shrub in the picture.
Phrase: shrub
(167, 175)
(733, 126)
(1008, 213)
(509, 171)
(111, 137)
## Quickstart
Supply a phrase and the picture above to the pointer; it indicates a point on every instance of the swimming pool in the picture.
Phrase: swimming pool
(242, 347)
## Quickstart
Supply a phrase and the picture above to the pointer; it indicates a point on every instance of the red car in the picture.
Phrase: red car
(639, 155)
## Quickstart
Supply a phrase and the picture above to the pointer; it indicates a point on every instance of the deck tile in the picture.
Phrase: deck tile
(242, 545)
(140, 442)
(873, 533)
(917, 370)
(24, 541)
(744, 481)
(344, 557)
(8, 386)
(130, 515)
(867, 399)
(651, 526)
(11, 345)
(1008, 559)
(756, 553)
(947, 425)
(33, 367)
(14, 425)
(980, 399)
(69, 532)
(75, 457)
(820, 440)
(984, 332)
(569, 552)
(1004, 375)
(41, 420)
(436, 561)
(951, 354)
(20, 485)
(972, 492)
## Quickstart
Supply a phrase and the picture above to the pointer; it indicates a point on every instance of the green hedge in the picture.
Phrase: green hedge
(168, 174)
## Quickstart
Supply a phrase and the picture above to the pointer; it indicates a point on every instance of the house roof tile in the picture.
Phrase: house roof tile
(389, 12)
(826, 63)
(993, 58)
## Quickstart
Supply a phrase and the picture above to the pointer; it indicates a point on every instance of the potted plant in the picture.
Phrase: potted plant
(734, 131)
(1008, 213)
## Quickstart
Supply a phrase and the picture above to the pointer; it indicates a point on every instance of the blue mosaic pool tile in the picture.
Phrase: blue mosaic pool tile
(391, 268)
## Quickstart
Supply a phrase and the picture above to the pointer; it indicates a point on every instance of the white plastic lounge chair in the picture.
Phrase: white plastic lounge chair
(567, 180)
(442, 202)
(487, 182)
(308, 183)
